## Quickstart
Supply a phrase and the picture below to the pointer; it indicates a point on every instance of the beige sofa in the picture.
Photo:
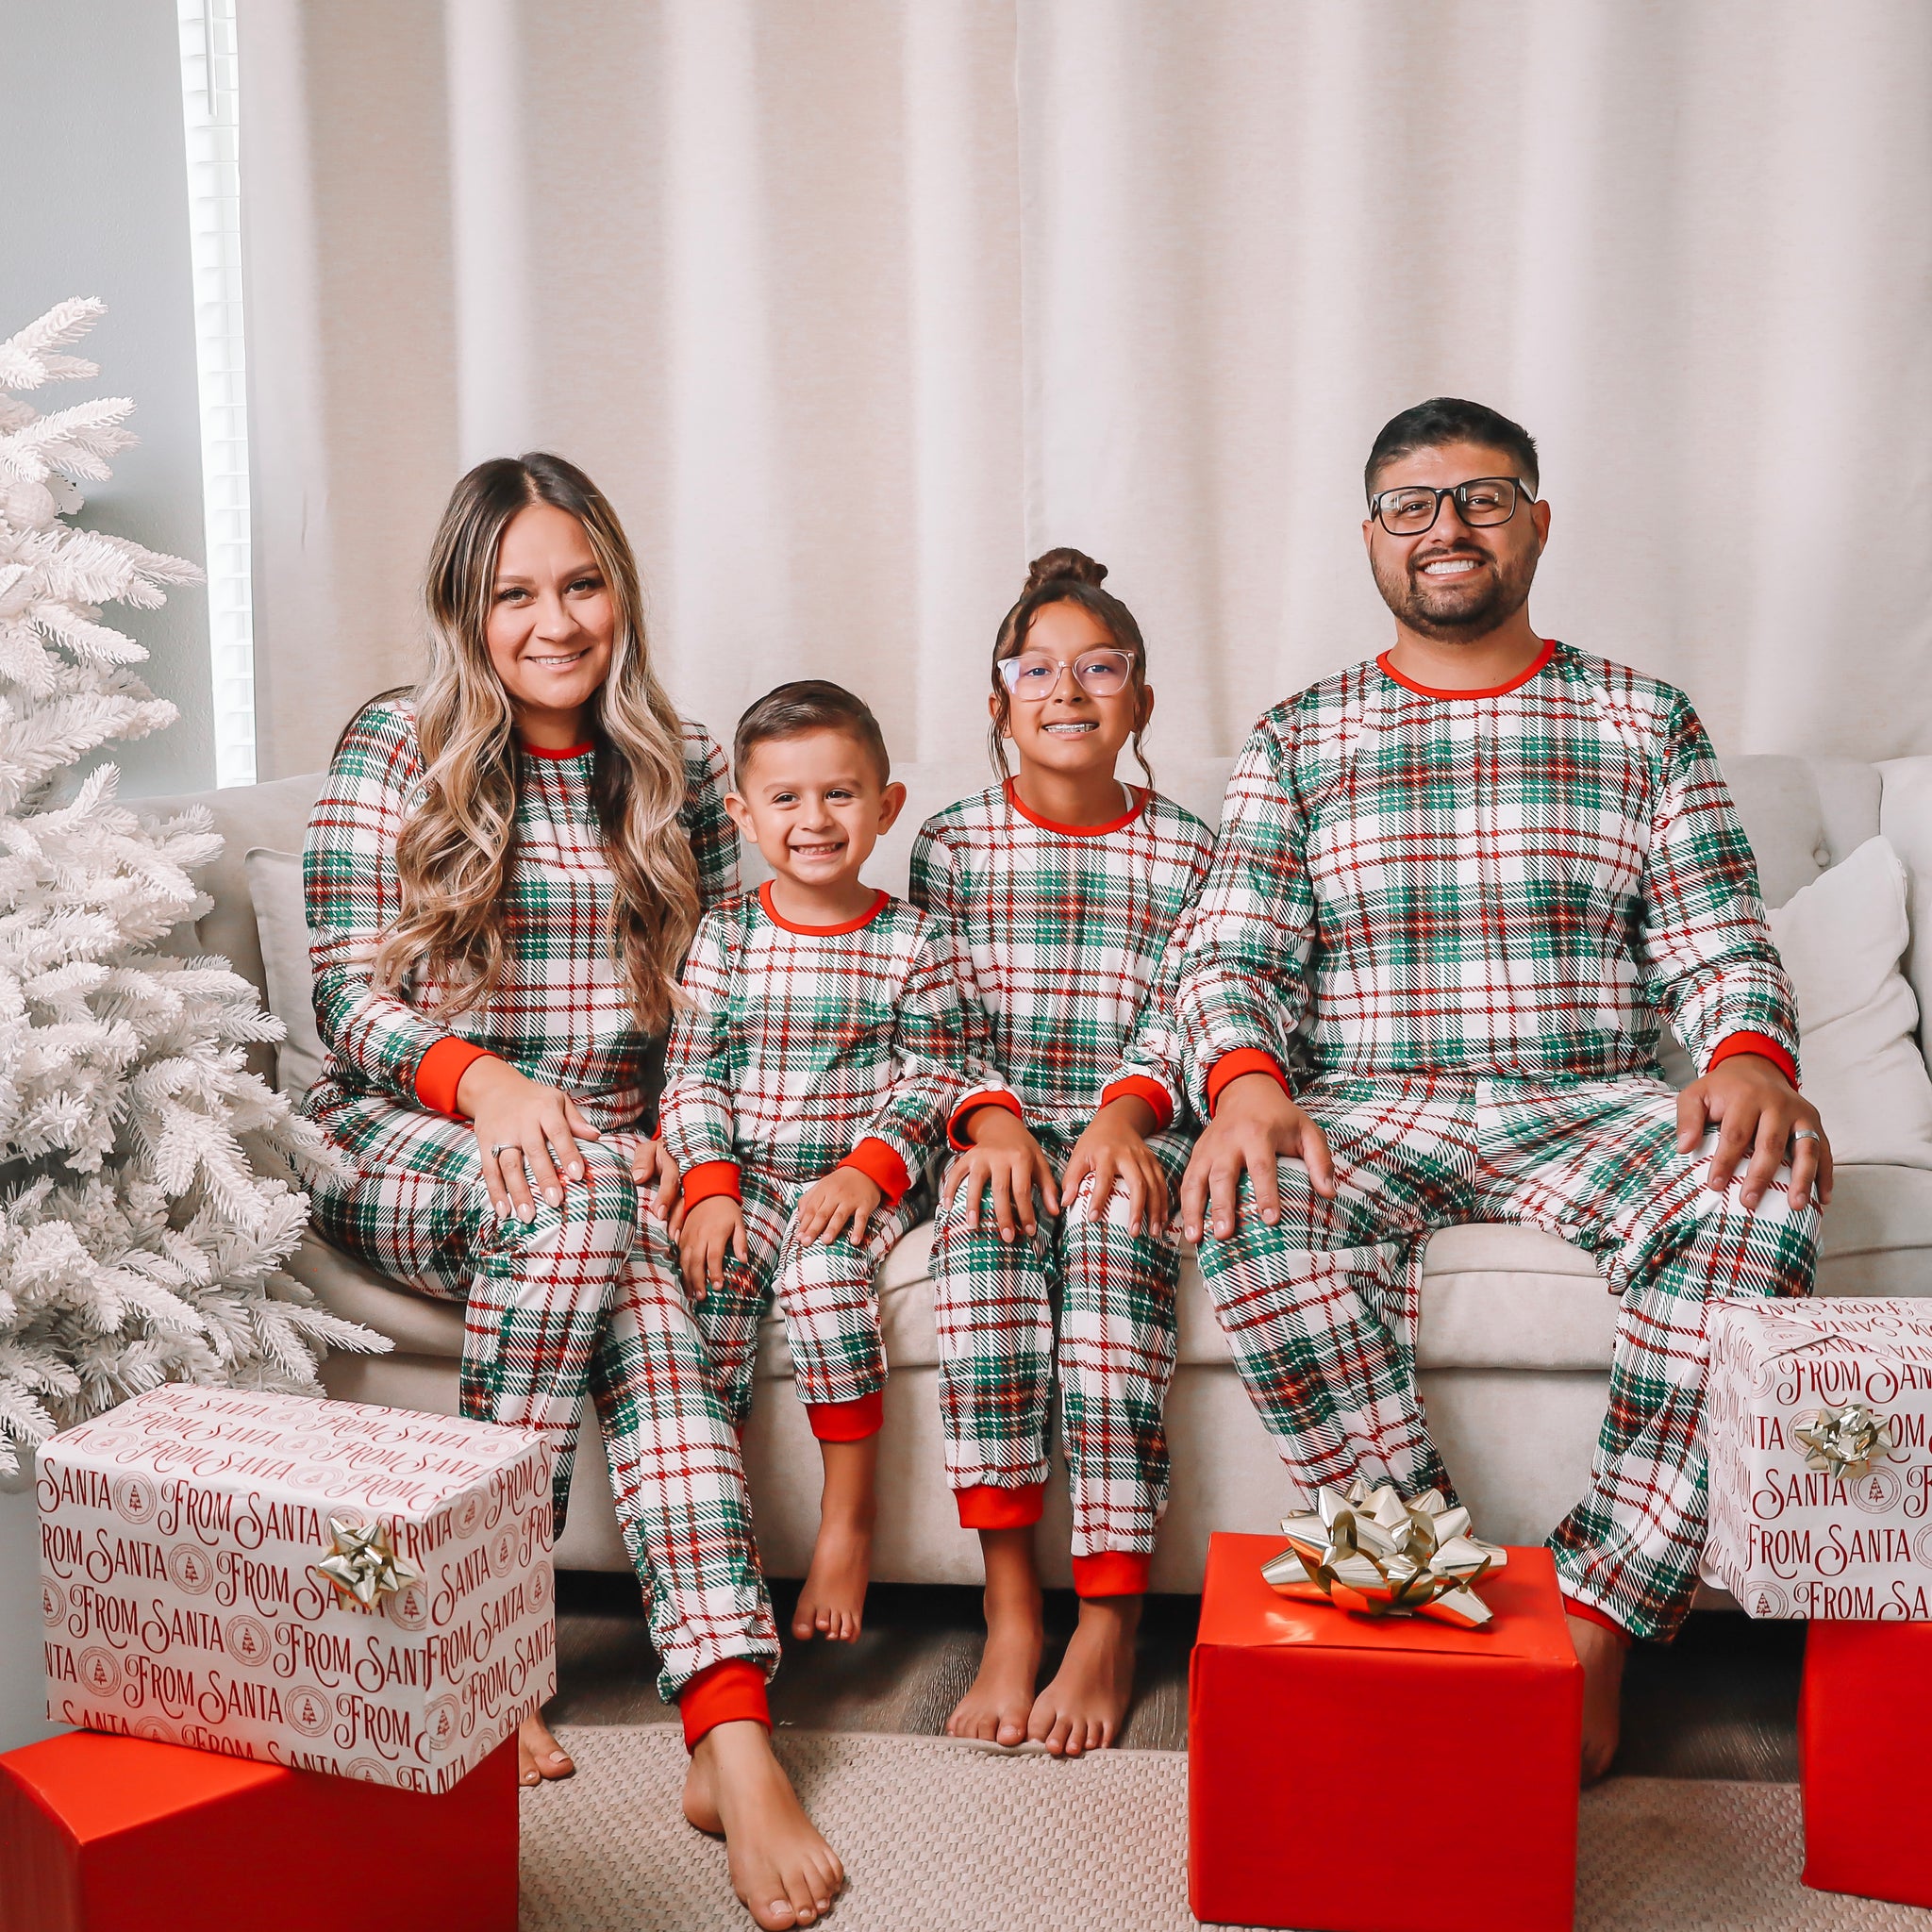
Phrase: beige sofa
(1516, 1325)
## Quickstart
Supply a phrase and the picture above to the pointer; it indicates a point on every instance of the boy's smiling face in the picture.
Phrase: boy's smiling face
(814, 805)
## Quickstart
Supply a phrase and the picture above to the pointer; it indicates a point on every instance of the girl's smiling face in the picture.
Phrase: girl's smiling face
(1073, 732)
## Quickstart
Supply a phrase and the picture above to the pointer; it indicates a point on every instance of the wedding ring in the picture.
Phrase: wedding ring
(1805, 1134)
(504, 1148)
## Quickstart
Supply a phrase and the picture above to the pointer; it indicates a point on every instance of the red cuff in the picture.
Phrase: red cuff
(1010, 1101)
(1112, 1572)
(1591, 1614)
(847, 1421)
(1760, 1043)
(441, 1070)
(709, 1178)
(879, 1161)
(1139, 1087)
(1231, 1066)
(983, 1507)
(722, 1693)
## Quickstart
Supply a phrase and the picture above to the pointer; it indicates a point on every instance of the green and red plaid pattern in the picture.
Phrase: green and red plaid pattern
(795, 1045)
(995, 1304)
(563, 1012)
(1060, 932)
(586, 1296)
(1321, 1309)
(1517, 884)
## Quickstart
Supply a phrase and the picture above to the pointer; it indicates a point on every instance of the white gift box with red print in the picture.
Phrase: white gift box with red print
(1816, 1421)
(180, 1538)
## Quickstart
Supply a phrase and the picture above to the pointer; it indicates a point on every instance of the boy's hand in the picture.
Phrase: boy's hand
(1114, 1151)
(1007, 1158)
(711, 1230)
(844, 1196)
(655, 1174)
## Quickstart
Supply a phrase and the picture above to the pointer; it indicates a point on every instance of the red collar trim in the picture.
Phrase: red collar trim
(537, 751)
(1495, 691)
(820, 932)
(1140, 796)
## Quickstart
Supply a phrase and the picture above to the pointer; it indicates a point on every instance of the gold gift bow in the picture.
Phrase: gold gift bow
(363, 1565)
(1369, 1550)
(1846, 1442)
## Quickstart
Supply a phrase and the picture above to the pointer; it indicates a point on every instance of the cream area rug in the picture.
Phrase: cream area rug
(939, 1837)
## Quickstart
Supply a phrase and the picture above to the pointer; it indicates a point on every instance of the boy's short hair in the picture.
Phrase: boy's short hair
(809, 704)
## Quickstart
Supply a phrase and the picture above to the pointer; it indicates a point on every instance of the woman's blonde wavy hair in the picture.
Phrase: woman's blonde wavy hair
(455, 851)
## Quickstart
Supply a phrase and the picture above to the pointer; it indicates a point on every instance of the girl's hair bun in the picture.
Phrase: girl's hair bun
(1058, 566)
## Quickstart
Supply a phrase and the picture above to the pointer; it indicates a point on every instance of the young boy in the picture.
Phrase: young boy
(809, 1083)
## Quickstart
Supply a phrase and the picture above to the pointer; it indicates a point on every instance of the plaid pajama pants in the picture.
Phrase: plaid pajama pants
(1114, 1294)
(826, 1294)
(587, 1297)
(1321, 1310)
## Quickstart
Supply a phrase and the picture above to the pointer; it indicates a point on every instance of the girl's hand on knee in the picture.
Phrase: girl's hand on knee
(1007, 1162)
(656, 1177)
(844, 1196)
(525, 1132)
(713, 1229)
(1114, 1152)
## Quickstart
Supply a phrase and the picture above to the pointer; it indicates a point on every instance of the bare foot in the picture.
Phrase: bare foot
(831, 1601)
(783, 1872)
(1084, 1707)
(1601, 1653)
(538, 1754)
(996, 1706)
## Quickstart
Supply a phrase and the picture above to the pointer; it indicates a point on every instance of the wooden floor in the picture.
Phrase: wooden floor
(1720, 1703)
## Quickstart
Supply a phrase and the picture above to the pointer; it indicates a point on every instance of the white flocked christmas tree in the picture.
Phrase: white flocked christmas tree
(138, 1243)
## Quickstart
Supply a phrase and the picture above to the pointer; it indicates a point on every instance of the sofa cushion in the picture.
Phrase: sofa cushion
(282, 923)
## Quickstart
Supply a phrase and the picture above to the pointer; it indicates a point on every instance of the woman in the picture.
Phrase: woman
(503, 872)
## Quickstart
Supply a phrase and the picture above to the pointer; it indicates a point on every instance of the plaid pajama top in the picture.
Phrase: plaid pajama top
(1513, 884)
(804, 1048)
(561, 1014)
(1060, 932)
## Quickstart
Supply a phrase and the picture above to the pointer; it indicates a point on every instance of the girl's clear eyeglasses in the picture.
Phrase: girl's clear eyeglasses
(1033, 676)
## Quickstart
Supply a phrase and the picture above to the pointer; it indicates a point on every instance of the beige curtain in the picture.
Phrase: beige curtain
(853, 306)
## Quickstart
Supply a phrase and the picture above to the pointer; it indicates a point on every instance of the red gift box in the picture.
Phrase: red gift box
(111, 1834)
(1351, 1775)
(1863, 1718)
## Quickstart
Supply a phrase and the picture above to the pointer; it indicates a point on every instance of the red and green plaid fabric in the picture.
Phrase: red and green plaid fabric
(1518, 884)
(1321, 1309)
(563, 1012)
(794, 1045)
(1060, 934)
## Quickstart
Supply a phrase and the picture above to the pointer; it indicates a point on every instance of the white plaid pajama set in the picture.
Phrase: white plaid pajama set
(1455, 919)
(801, 1049)
(569, 1302)
(1061, 931)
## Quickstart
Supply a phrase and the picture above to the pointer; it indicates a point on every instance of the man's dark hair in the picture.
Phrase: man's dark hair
(1449, 419)
(809, 704)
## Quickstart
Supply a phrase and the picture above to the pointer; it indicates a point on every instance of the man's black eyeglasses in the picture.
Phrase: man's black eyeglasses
(1412, 508)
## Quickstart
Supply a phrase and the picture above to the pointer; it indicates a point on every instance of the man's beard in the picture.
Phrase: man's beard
(1462, 610)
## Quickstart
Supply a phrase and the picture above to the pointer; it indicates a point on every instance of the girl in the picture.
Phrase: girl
(503, 870)
(1062, 885)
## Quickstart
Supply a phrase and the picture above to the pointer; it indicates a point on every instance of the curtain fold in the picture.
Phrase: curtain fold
(854, 308)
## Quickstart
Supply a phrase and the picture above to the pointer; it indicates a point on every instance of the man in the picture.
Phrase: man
(1455, 890)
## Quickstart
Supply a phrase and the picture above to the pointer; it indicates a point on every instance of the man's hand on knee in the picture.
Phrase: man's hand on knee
(1255, 1124)
(1762, 1120)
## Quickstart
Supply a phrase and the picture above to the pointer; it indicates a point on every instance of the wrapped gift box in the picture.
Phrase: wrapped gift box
(1791, 1534)
(110, 1834)
(1863, 1718)
(1347, 1774)
(182, 1537)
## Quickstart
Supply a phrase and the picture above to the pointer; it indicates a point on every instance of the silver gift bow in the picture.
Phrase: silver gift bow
(363, 1565)
(1845, 1443)
(1369, 1550)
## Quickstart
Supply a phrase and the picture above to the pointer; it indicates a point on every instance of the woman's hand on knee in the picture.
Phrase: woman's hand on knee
(1255, 1124)
(712, 1230)
(526, 1133)
(656, 1177)
(1114, 1152)
(1006, 1162)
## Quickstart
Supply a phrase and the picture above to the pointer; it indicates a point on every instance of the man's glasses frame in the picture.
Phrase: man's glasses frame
(1517, 492)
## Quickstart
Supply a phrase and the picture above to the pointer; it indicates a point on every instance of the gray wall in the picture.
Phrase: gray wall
(97, 204)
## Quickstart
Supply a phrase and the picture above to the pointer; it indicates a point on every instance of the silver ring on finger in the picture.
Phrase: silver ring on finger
(506, 1147)
(1805, 1134)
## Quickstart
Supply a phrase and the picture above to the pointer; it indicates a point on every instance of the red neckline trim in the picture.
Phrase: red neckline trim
(820, 932)
(537, 751)
(1140, 796)
(1495, 691)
